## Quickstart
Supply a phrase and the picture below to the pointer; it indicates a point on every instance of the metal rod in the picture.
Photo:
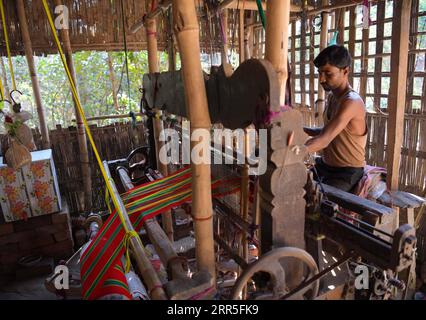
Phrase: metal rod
(365, 223)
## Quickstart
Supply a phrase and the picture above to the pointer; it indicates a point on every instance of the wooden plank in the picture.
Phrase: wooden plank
(397, 96)
(355, 203)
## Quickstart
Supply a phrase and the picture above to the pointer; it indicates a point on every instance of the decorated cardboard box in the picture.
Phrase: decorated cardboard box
(30, 191)
(42, 183)
(14, 201)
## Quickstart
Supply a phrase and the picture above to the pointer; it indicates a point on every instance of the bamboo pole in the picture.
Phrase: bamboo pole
(113, 82)
(278, 19)
(187, 34)
(248, 40)
(397, 90)
(81, 133)
(241, 35)
(225, 32)
(111, 116)
(4, 75)
(351, 45)
(252, 5)
(172, 51)
(244, 208)
(323, 45)
(151, 34)
(145, 267)
(340, 26)
(33, 74)
(364, 64)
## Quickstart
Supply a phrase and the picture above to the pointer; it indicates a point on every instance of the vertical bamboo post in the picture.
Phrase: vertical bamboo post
(364, 64)
(113, 82)
(172, 54)
(351, 45)
(277, 20)
(241, 36)
(187, 33)
(151, 34)
(323, 45)
(225, 33)
(397, 90)
(4, 75)
(248, 40)
(244, 208)
(31, 66)
(340, 26)
(311, 67)
(293, 60)
(81, 136)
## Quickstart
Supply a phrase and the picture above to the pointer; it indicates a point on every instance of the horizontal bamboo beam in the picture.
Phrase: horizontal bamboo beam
(112, 116)
(252, 5)
(335, 6)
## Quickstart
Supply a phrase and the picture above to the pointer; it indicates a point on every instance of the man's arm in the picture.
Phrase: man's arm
(345, 114)
(313, 132)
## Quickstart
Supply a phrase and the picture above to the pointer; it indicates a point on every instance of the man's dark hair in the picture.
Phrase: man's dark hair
(335, 55)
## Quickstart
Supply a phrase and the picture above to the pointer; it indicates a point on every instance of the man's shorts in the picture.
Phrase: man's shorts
(344, 178)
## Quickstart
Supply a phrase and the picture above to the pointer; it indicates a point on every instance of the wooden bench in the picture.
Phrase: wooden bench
(405, 202)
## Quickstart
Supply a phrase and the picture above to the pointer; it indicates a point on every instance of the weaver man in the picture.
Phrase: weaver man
(344, 135)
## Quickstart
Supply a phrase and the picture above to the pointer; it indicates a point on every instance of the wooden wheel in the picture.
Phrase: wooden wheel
(270, 263)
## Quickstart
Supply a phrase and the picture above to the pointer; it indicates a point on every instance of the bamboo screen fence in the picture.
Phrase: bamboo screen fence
(113, 142)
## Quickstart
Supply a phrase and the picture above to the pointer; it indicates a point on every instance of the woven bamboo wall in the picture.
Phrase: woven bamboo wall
(113, 142)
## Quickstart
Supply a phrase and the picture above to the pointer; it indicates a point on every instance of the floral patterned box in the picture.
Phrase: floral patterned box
(30, 191)
(42, 183)
(14, 202)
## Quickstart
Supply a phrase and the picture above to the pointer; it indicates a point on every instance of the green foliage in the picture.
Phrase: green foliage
(93, 81)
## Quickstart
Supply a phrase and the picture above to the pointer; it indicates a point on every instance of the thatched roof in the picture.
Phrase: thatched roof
(94, 25)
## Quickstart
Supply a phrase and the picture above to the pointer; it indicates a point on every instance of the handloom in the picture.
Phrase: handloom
(280, 191)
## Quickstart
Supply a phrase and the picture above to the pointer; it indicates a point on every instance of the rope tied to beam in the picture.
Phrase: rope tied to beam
(9, 56)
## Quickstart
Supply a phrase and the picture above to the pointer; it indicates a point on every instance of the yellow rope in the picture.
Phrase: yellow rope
(129, 233)
(7, 45)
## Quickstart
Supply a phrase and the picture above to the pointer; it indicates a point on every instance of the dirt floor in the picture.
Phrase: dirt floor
(28, 289)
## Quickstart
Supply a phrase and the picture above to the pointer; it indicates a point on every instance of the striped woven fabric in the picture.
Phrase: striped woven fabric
(142, 202)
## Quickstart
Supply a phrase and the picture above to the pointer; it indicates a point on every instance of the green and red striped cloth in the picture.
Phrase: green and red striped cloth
(100, 263)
